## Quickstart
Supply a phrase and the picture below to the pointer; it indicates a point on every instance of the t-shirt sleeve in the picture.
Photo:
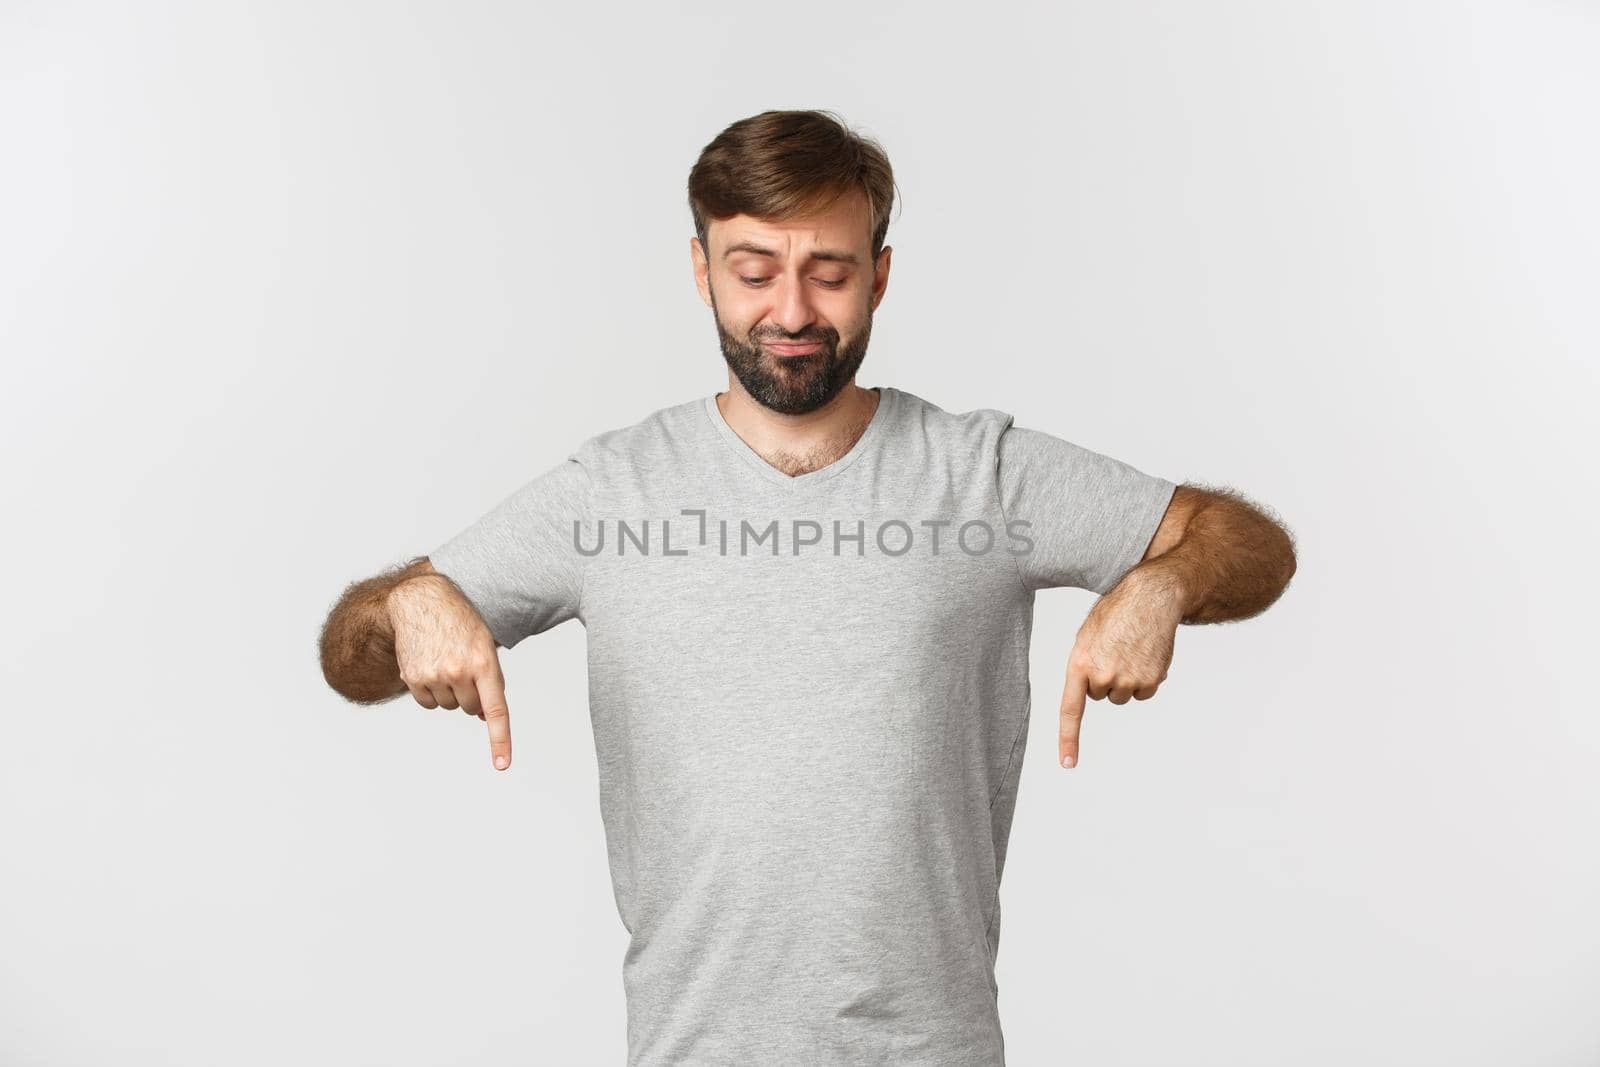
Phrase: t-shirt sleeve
(1090, 517)
(519, 563)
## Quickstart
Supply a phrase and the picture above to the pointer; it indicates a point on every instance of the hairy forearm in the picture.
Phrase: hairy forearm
(1232, 562)
(357, 640)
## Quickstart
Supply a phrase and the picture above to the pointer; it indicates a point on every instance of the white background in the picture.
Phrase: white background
(291, 292)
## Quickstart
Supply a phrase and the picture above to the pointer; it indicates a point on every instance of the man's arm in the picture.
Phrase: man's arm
(1214, 557)
(413, 629)
(1218, 556)
(357, 640)
(435, 626)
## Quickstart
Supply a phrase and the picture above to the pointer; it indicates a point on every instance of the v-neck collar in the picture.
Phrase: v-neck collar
(886, 397)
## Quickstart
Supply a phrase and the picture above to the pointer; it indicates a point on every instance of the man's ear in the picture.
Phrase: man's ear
(701, 264)
(880, 275)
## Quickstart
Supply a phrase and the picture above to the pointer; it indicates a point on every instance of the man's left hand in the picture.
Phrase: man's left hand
(1123, 650)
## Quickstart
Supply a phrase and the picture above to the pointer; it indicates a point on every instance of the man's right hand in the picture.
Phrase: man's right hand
(447, 656)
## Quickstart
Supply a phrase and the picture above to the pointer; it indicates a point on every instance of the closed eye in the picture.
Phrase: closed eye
(756, 283)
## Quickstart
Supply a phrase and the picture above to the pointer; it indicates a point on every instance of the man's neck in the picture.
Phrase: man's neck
(799, 444)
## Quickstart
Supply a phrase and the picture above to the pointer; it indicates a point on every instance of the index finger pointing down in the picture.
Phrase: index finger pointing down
(1073, 698)
(492, 701)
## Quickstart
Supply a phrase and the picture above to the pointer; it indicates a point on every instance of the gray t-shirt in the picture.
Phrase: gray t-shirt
(810, 703)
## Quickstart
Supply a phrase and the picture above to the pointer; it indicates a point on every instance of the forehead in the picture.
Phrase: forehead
(839, 233)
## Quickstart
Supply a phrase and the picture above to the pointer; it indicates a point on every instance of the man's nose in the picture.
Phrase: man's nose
(793, 310)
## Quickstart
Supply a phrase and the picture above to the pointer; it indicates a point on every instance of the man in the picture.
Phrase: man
(808, 608)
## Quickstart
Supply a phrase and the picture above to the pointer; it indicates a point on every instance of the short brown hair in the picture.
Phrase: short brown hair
(786, 164)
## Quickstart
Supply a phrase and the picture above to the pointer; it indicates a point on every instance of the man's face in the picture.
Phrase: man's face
(793, 301)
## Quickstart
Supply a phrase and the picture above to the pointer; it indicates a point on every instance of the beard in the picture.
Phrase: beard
(793, 385)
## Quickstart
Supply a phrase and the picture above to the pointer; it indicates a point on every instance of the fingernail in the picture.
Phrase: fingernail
(500, 763)
(1067, 761)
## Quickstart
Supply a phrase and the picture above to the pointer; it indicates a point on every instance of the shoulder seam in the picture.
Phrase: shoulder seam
(1006, 423)
(588, 510)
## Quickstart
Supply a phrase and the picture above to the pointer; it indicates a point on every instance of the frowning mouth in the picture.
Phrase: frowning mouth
(787, 348)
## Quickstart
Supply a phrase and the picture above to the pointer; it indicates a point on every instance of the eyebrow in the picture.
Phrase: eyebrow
(828, 254)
